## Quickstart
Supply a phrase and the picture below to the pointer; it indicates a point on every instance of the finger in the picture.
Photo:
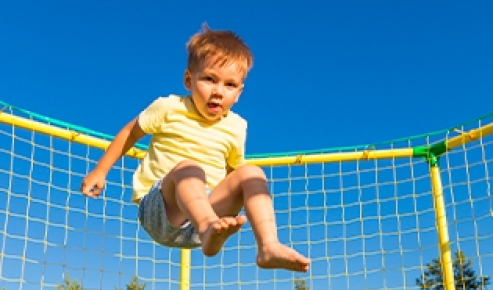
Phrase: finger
(96, 192)
(86, 190)
(82, 187)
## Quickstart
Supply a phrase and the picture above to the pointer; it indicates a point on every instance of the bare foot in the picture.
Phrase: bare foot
(279, 256)
(218, 232)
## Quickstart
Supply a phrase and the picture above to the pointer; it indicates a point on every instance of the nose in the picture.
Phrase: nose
(218, 90)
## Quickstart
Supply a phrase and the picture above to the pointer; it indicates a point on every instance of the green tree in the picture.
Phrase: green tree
(464, 276)
(134, 285)
(69, 285)
(300, 284)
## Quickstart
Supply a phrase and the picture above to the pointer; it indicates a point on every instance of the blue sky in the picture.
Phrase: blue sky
(325, 75)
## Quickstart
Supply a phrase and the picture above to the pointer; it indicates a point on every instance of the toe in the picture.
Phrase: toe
(218, 225)
(232, 222)
(241, 220)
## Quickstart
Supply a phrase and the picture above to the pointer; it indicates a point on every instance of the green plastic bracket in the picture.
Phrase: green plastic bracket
(431, 153)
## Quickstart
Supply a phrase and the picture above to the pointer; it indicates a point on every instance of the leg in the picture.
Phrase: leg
(247, 187)
(183, 191)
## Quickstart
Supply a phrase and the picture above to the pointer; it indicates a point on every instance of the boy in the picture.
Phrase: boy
(193, 181)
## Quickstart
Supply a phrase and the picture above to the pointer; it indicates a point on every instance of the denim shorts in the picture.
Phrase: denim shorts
(152, 217)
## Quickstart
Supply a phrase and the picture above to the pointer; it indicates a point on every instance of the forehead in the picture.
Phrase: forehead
(223, 67)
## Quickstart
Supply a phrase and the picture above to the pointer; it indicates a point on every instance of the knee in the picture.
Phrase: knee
(188, 168)
(249, 172)
(187, 163)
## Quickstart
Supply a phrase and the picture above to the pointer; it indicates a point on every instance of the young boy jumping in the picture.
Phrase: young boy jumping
(193, 181)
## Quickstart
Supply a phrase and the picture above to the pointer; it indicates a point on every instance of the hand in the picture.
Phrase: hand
(93, 183)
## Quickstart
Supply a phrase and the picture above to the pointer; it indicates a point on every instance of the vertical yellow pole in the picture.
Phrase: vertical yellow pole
(441, 222)
(185, 269)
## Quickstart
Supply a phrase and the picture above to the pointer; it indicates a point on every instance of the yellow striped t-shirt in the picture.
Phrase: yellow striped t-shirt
(179, 133)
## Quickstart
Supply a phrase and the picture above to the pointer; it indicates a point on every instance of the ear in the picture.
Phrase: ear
(187, 79)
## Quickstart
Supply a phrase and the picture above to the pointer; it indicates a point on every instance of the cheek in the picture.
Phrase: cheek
(232, 98)
(201, 88)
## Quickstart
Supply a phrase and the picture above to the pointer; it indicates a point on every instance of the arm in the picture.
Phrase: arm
(93, 183)
(124, 141)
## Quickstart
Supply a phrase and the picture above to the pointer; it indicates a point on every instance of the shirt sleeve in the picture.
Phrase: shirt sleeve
(236, 157)
(151, 119)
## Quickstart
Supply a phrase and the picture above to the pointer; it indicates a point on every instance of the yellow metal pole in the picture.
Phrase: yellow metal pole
(64, 134)
(95, 142)
(185, 269)
(332, 157)
(472, 135)
(441, 222)
(81, 138)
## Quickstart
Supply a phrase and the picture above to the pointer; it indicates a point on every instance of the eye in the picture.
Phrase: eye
(232, 85)
(208, 79)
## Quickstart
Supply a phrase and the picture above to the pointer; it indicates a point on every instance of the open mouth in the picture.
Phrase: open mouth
(214, 106)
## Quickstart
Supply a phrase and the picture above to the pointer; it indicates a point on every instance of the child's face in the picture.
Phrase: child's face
(214, 88)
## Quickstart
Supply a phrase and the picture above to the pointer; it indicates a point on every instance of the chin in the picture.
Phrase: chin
(215, 118)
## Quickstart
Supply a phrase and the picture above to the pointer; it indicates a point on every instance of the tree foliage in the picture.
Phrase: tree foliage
(300, 284)
(464, 276)
(134, 285)
(69, 285)
(75, 285)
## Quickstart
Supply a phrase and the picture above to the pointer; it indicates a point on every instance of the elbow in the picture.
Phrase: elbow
(135, 132)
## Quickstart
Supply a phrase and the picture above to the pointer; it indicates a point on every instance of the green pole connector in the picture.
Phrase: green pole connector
(431, 153)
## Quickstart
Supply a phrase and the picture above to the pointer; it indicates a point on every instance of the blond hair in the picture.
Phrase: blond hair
(221, 47)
